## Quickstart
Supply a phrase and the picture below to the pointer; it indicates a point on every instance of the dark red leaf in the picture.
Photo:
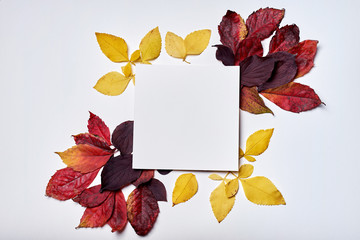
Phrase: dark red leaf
(305, 53)
(118, 173)
(293, 97)
(232, 30)
(97, 127)
(122, 137)
(98, 216)
(264, 22)
(285, 38)
(146, 175)
(225, 55)
(248, 47)
(90, 139)
(118, 220)
(67, 183)
(255, 71)
(91, 197)
(164, 172)
(142, 210)
(158, 189)
(251, 102)
(284, 71)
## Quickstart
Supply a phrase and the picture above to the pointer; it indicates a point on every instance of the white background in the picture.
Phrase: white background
(50, 60)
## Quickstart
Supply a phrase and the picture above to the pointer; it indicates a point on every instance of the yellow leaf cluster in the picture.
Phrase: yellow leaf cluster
(194, 44)
(185, 188)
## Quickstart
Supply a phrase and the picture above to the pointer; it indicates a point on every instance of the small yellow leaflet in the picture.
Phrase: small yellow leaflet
(185, 188)
(112, 84)
(245, 170)
(215, 177)
(232, 187)
(221, 205)
(258, 142)
(115, 48)
(150, 46)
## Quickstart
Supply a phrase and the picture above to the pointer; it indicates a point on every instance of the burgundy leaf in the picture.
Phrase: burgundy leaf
(91, 139)
(146, 176)
(251, 102)
(158, 189)
(225, 55)
(118, 173)
(305, 53)
(92, 197)
(142, 210)
(284, 39)
(97, 127)
(254, 70)
(284, 71)
(164, 172)
(232, 30)
(118, 220)
(264, 22)
(122, 137)
(248, 47)
(67, 183)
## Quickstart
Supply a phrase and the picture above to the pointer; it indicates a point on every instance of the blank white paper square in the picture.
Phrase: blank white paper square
(186, 118)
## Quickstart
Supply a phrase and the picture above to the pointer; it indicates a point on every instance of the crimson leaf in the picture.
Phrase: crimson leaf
(91, 197)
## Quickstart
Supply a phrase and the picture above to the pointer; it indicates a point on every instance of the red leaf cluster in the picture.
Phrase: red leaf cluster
(287, 59)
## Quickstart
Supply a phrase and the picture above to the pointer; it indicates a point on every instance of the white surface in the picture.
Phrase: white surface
(49, 62)
(186, 118)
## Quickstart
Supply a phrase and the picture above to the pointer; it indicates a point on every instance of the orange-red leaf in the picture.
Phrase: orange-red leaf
(118, 220)
(248, 47)
(305, 53)
(67, 183)
(293, 97)
(92, 197)
(91, 139)
(85, 158)
(98, 216)
(285, 38)
(251, 102)
(97, 127)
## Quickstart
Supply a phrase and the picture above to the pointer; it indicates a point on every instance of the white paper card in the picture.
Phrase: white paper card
(186, 117)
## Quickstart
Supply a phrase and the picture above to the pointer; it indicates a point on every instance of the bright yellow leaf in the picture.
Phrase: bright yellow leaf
(258, 142)
(196, 42)
(175, 45)
(150, 45)
(127, 71)
(245, 170)
(249, 158)
(262, 191)
(232, 187)
(215, 177)
(135, 56)
(241, 153)
(221, 205)
(112, 84)
(185, 188)
(115, 48)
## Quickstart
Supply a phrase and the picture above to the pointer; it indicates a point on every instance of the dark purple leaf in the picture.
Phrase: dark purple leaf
(164, 172)
(225, 55)
(118, 173)
(158, 189)
(122, 137)
(254, 70)
(284, 71)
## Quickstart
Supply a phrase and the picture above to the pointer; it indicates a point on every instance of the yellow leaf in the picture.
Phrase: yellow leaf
(221, 205)
(250, 158)
(175, 45)
(258, 142)
(232, 187)
(112, 84)
(115, 48)
(262, 191)
(185, 188)
(215, 177)
(241, 153)
(243, 29)
(150, 45)
(197, 41)
(135, 56)
(245, 170)
(127, 71)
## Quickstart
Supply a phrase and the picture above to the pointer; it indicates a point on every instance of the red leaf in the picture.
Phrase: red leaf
(248, 47)
(158, 189)
(264, 22)
(255, 71)
(146, 175)
(91, 197)
(306, 51)
(118, 219)
(293, 97)
(67, 183)
(97, 127)
(85, 158)
(232, 30)
(225, 55)
(142, 210)
(98, 216)
(284, 39)
(251, 102)
(122, 137)
(90, 139)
